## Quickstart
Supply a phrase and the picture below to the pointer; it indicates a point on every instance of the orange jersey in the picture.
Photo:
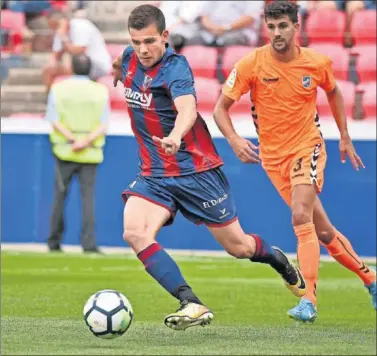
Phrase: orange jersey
(284, 95)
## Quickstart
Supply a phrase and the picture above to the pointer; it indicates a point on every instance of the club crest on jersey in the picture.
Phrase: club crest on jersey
(147, 82)
(307, 81)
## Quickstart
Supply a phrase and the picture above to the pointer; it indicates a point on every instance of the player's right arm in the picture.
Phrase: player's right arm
(238, 83)
(117, 69)
(117, 65)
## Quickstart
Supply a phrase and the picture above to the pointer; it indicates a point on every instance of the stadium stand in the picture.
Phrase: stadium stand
(231, 55)
(22, 90)
(326, 26)
(243, 106)
(365, 62)
(363, 27)
(202, 60)
(369, 100)
(12, 28)
(207, 92)
(348, 89)
(339, 55)
(115, 49)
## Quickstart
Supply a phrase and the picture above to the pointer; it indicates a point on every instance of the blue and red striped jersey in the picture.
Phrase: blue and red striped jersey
(150, 94)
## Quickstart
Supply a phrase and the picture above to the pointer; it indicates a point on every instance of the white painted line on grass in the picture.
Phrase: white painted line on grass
(42, 248)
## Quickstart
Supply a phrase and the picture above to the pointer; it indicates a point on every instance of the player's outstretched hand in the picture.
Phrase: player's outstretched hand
(346, 148)
(117, 70)
(244, 149)
(169, 144)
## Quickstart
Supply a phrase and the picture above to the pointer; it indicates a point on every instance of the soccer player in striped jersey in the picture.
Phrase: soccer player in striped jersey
(179, 168)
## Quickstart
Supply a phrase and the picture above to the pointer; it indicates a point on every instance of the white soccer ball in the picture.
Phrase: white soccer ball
(108, 314)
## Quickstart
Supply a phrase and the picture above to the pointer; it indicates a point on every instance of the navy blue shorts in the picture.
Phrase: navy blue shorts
(203, 198)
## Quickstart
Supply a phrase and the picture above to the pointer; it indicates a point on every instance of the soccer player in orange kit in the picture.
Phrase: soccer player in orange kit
(283, 80)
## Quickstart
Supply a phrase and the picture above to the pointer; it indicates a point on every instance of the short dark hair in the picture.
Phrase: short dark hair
(144, 15)
(81, 64)
(277, 9)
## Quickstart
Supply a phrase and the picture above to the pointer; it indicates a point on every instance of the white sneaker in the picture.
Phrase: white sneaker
(189, 314)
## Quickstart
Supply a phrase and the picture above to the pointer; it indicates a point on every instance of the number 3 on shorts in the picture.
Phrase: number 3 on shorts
(298, 165)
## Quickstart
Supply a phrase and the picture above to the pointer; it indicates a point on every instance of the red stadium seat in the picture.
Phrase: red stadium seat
(348, 90)
(339, 56)
(115, 50)
(232, 55)
(326, 26)
(363, 27)
(264, 31)
(242, 106)
(207, 92)
(202, 60)
(369, 99)
(117, 100)
(61, 5)
(12, 27)
(365, 62)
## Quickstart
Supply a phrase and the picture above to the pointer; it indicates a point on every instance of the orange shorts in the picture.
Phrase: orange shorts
(305, 167)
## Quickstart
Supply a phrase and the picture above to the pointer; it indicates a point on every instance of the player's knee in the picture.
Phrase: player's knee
(325, 235)
(136, 237)
(301, 215)
(241, 250)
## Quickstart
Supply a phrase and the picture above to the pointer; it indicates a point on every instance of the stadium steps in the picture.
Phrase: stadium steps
(9, 108)
(20, 76)
(31, 94)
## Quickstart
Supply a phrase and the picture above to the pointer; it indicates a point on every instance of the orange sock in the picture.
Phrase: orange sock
(308, 257)
(341, 249)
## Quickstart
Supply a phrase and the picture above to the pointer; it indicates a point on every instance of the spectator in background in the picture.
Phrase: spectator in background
(75, 36)
(31, 8)
(35, 18)
(213, 23)
(78, 110)
(182, 21)
(350, 7)
(354, 5)
(307, 6)
(225, 23)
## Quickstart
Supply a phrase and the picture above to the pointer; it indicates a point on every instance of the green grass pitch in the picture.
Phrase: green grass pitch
(43, 295)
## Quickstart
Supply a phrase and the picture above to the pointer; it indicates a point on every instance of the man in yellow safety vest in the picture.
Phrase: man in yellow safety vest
(78, 110)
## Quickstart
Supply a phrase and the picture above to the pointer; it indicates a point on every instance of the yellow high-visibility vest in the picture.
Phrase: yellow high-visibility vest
(80, 105)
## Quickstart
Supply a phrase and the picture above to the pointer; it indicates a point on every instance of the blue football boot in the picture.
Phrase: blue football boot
(372, 289)
(304, 311)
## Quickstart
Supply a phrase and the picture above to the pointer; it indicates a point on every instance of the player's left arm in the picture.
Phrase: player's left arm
(336, 102)
(180, 83)
(187, 114)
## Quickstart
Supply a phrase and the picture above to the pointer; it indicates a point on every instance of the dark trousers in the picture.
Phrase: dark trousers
(64, 173)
